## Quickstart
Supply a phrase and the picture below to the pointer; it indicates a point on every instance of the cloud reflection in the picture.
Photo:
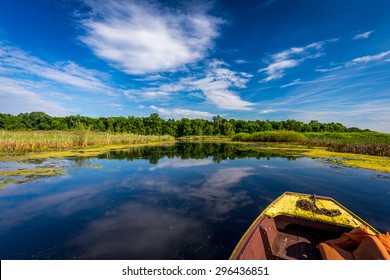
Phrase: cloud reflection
(180, 163)
(136, 231)
(213, 193)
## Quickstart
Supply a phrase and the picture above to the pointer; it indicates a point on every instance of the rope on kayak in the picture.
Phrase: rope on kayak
(308, 205)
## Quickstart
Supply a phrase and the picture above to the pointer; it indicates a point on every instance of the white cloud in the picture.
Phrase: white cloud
(290, 58)
(266, 111)
(147, 38)
(215, 85)
(178, 113)
(16, 61)
(353, 97)
(276, 69)
(357, 62)
(364, 35)
(150, 78)
(295, 82)
(18, 96)
(328, 69)
(368, 58)
(146, 94)
(181, 163)
(241, 61)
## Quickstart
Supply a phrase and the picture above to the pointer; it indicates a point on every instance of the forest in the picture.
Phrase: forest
(155, 125)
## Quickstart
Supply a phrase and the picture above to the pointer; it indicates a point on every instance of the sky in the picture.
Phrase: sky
(265, 59)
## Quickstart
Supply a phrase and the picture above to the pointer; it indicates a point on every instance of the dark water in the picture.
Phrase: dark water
(190, 201)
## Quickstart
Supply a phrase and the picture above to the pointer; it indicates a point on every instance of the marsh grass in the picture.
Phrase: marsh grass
(367, 143)
(349, 137)
(19, 142)
(270, 136)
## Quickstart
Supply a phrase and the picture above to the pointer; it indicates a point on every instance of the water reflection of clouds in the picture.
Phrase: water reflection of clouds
(218, 194)
(137, 231)
(180, 163)
(58, 204)
(212, 192)
(133, 209)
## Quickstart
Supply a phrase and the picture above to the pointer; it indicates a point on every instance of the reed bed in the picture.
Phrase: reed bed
(348, 137)
(367, 143)
(38, 141)
(270, 136)
(365, 149)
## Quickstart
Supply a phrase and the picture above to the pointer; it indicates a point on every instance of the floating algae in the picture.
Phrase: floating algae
(41, 172)
(20, 176)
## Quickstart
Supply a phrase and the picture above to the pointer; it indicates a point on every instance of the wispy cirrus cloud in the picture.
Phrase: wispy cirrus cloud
(292, 57)
(178, 113)
(347, 97)
(146, 94)
(363, 35)
(14, 62)
(140, 37)
(328, 69)
(21, 96)
(266, 3)
(368, 58)
(359, 61)
(241, 61)
(293, 83)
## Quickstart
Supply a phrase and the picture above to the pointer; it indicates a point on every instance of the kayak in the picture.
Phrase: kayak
(293, 225)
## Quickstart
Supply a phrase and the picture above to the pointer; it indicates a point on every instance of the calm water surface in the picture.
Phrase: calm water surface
(189, 201)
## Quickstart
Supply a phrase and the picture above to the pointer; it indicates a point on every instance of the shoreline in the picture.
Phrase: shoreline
(23, 175)
(375, 163)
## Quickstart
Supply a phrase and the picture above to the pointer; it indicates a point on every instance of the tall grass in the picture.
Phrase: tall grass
(369, 143)
(36, 141)
(348, 137)
(270, 136)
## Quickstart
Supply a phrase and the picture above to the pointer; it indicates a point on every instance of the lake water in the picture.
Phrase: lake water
(189, 201)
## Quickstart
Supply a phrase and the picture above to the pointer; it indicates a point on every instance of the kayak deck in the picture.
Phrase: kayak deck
(286, 204)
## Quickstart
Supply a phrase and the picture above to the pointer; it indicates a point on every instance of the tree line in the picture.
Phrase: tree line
(155, 125)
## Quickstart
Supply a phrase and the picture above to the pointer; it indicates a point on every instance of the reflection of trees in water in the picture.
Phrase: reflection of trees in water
(78, 163)
(218, 151)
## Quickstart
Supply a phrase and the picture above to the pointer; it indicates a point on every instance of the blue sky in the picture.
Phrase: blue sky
(265, 59)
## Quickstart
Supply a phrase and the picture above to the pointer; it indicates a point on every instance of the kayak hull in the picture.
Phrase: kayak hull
(285, 231)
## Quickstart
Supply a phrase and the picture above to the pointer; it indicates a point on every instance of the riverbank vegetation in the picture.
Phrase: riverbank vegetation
(17, 142)
(154, 125)
(27, 167)
(37, 135)
(366, 143)
(80, 131)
